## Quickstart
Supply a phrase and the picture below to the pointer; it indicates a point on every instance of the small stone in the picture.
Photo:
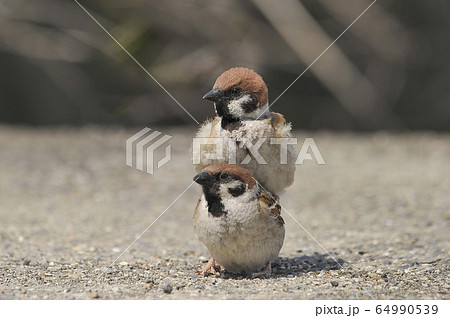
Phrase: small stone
(26, 262)
(334, 283)
(404, 267)
(429, 261)
(123, 264)
(94, 295)
(24, 291)
(168, 288)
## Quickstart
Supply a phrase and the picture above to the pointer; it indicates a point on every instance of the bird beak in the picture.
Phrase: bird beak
(204, 178)
(214, 95)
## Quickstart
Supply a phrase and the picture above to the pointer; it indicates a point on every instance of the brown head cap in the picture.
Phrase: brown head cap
(247, 80)
(234, 171)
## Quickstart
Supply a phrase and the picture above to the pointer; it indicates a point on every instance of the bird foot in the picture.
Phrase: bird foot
(266, 272)
(210, 267)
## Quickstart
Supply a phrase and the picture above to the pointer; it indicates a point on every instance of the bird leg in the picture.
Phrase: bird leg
(267, 271)
(211, 267)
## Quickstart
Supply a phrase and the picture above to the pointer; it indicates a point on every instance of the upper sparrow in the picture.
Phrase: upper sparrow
(244, 121)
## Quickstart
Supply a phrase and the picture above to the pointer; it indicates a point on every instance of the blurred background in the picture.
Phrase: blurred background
(391, 70)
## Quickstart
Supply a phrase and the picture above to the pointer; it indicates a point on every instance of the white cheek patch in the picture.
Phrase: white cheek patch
(235, 106)
(241, 208)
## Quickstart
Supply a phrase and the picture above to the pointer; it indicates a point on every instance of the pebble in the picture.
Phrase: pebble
(94, 295)
(168, 288)
(403, 267)
(429, 261)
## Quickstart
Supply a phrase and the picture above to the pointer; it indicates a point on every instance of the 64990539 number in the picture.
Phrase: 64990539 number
(407, 309)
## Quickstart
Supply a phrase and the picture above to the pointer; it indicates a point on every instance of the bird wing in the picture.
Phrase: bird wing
(281, 128)
(207, 130)
(277, 119)
(268, 205)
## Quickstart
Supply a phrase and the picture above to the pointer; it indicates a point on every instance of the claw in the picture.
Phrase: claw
(210, 267)
(267, 271)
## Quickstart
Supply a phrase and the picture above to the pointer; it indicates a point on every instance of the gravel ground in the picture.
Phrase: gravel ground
(69, 206)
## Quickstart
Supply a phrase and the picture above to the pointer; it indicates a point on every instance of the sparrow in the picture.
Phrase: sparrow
(243, 120)
(238, 221)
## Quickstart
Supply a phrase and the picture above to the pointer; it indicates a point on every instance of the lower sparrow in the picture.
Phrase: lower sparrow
(238, 221)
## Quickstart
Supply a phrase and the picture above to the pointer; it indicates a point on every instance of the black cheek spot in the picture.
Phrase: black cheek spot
(251, 105)
(235, 192)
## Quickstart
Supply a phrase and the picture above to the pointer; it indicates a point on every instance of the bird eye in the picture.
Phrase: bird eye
(235, 91)
(224, 176)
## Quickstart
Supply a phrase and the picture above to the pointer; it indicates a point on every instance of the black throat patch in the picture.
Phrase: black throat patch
(221, 108)
(230, 123)
(215, 205)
